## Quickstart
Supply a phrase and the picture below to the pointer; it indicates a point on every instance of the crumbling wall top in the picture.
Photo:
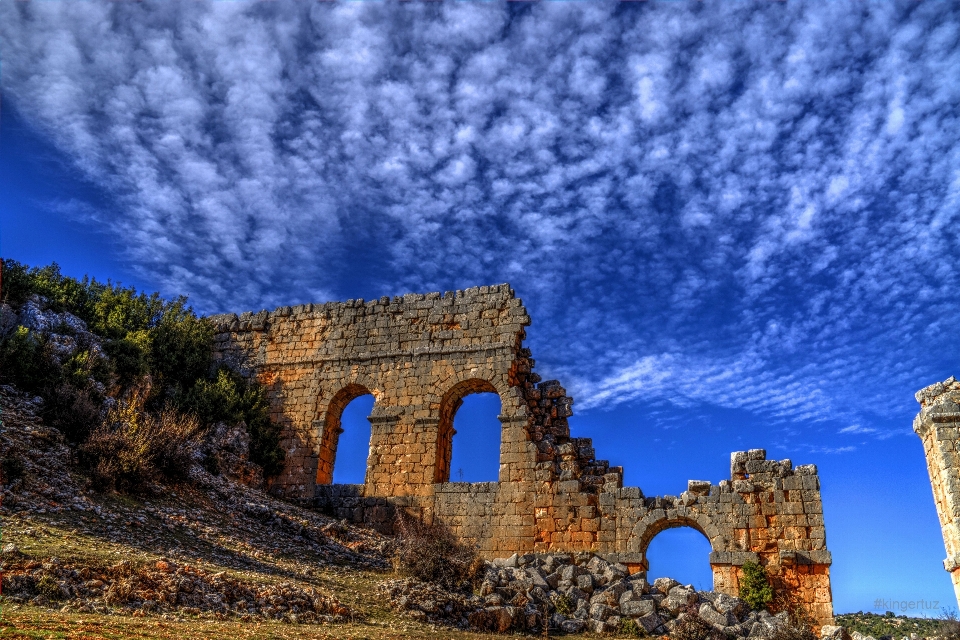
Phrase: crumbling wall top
(400, 309)
(940, 402)
(933, 394)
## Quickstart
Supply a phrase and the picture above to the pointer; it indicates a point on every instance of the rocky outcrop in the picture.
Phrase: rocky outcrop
(225, 450)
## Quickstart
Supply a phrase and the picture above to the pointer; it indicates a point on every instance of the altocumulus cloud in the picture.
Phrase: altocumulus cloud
(745, 205)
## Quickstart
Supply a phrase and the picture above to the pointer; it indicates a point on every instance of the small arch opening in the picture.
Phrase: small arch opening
(681, 553)
(469, 434)
(476, 445)
(353, 447)
(345, 439)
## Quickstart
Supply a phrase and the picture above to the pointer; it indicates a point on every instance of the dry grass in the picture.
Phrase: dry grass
(355, 588)
(30, 622)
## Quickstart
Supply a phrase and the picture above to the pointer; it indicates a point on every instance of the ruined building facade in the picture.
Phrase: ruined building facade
(938, 425)
(419, 355)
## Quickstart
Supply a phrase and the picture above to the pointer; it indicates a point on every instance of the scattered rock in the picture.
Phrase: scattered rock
(831, 632)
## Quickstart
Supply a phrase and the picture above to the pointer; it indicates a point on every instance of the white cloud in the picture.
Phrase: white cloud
(748, 205)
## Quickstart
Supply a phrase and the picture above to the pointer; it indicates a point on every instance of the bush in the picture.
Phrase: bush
(181, 349)
(755, 589)
(130, 356)
(431, 553)
(629, 627)
(228, 397)
(49, 588)
(72, 409)
(948, 627)
(25, 360)
(562, 603)
(133, 447)
(71, 403)
(17, 283)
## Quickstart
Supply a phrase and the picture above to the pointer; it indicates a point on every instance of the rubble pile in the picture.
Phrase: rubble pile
(573, 593)
(163, 587)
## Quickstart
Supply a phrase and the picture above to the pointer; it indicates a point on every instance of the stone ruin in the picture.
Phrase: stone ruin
(419, 356)
(938, 425)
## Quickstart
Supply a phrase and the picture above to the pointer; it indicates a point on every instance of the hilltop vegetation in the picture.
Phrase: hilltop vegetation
(113, 364)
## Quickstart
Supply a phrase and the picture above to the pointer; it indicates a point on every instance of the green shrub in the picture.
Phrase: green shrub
(562, 603)
(878, 625)
(130, 356)
(63, 292)
(228, 397)
(264, 434)
(49, 588)
(755, 588)
(71, 404)
(181, 348)
(17, 284)
(25, 360)
(629, 627)
(114, 311)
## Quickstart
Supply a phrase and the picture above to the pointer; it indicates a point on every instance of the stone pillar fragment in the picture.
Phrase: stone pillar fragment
(938, 425)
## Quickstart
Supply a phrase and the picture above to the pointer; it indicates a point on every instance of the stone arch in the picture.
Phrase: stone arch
(449, 404)
(331, 429)
(648, 528)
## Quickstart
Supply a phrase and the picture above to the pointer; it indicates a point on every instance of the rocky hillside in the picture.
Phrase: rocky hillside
(203, 547)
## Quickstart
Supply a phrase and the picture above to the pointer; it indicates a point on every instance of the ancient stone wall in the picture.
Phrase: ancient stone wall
(419, 356)
(938, 425)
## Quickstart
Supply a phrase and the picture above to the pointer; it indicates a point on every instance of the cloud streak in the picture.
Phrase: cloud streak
(749, 205)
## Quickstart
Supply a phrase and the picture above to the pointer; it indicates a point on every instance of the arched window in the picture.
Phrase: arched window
(681, 553)
(469, 433)
(345, 441)
(353, 449)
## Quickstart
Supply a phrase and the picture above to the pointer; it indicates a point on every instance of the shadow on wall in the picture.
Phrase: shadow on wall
(681, 553)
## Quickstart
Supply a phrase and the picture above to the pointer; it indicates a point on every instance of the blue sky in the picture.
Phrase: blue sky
(734, 224)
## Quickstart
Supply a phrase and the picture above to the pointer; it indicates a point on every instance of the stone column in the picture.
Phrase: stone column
(383, 463)
(938, 425)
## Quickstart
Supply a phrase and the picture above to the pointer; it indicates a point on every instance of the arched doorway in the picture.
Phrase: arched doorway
(344, 459)
(682, 553)
(353, 446)
(470, 412)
